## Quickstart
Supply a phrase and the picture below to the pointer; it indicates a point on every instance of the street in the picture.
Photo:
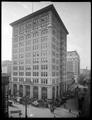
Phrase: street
(36, 112)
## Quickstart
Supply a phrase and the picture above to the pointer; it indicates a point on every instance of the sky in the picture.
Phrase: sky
(76, 16)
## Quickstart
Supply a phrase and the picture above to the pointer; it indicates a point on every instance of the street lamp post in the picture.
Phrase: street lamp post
(25, 107)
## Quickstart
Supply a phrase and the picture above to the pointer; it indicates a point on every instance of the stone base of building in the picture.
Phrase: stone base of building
(32, 91)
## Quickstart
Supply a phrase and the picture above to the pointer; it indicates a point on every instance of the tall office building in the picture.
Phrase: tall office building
(39, 54)
(73, 64)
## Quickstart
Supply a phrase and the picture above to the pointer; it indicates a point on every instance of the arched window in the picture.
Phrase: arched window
(44, 92)
(35, 92)
(21, 90)
(14, 89)
(27, 91)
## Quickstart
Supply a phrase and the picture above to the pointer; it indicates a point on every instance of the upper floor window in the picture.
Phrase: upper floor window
(21, 79)
(28, 67)
(28, 55)
(21, 61)
(15, 73)
(15, 79)
(28, 42)
(15, 31)
(15, 39)
(28, 61)
(28, 73)
(21, 38)
(21, 67)
(21, 29)
(21, 73)
(21, 55)
(28, 48)
(15, 68)
(21, 44)
(15, 62)
(21, 49)
(28, 26)
(28, 36)
(44, 31)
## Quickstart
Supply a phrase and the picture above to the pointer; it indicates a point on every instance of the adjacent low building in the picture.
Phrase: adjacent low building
(5, 90)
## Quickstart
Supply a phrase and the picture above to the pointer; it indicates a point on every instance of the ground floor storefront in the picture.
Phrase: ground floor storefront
(33, 91)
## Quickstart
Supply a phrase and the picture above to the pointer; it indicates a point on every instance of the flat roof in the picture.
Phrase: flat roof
(45, 9)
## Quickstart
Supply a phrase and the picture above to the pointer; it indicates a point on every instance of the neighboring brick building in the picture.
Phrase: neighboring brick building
(39, 54)
(73, 64)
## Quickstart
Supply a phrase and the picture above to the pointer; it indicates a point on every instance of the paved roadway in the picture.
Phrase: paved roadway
(45, 112)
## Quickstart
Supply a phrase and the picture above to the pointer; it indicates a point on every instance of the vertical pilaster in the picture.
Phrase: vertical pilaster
(49, 91)
(31, 91)
(39, 92)
(24, 90)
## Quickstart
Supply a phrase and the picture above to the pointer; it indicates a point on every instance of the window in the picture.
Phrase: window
(28, 55)
(15, 73)
(21, 73)
(28, 36)
(28, 67)
(15, 79)
(21, 44)
(21, 38)
(35, 73)
(15, 31)
(28, 42)
(44, 74)
(44, 20)
(28, 26)
(53, 73)
(21, 29)
(35, 23)
(28, 48)
(28, 61)
(35, 67)
(28, 80)
(15, 39)
(15, 62)
(44, 81)
(36, 34)
(28, 73)
(21, 62)
(44, 53)
(44, 31)
(43, 67)
(35, 47)
(21, 49)
(15, 56)
(44, 39)
(21, 67)
(35, 80)
(35, 54)
(21, 55)
(43, 60)
(15, 68)
(43, 45)
(21, 79)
